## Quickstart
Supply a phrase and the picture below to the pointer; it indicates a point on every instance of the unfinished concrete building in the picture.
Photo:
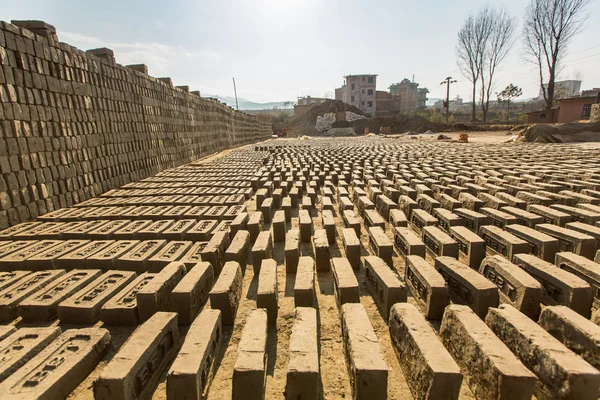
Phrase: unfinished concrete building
(359, 91)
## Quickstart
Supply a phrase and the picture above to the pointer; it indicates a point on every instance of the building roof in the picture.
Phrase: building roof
(578, 98)
(346, 76)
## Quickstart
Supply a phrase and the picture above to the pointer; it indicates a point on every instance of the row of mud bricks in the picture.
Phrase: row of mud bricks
(364, 268)
(75, 124)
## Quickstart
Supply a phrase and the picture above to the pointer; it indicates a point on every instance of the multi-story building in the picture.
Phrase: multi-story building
(562, 89)
(412, 97)
(360, 92)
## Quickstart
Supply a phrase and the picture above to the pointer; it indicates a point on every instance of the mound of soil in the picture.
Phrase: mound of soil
(305, 124)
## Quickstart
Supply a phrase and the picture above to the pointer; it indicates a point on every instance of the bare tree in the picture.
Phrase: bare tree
(483, 43)
(549, 27)
(499, 41)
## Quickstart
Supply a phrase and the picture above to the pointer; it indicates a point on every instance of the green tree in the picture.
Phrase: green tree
(507, 95)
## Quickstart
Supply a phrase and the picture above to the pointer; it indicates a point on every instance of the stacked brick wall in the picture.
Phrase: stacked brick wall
(595, 114)
(74, 124)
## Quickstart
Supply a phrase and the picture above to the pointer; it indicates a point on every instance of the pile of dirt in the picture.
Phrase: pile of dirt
(305, 123)
(560, 133)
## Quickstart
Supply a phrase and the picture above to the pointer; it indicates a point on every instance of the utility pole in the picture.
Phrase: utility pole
(447, 82)
(235, 91)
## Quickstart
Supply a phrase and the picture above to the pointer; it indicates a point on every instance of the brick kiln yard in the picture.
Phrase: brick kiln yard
(324, 268)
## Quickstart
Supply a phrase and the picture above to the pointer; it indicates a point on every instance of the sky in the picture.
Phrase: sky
(279, 50)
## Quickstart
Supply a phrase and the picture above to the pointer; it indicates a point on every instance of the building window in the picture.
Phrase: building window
(363, 91)
(587, 111)
(370, 79)
(352, 87)
(362, 103)
(370, 92)
(542, 116)
(369, 104)
(352, 99)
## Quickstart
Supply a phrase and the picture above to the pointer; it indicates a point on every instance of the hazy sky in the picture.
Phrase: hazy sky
(280, 49)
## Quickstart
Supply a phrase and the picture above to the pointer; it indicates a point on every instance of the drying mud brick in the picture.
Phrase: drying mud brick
(262, 249)
(367, 370)
(351, 221)
(6, 331)
(156, 295)
(255, 225)
(473, 220)
(439, 243)
(516, 286)
(9, 278)
(471, 247)
(214, 251)
(446, 219)
(191, 293)
(351, 244)
(570, 240)
(286, 206)
(397, 218)
(30, 284)
(48, 259)
(420, 219)
(304, 286)
(194, 254)
(427, 287)
(279, 226)
(266, 208)
(541, 245)
(78, 257)
(489, 367)
(136, 258)
(321, 250)
(329, 225)
(523, 217)
(292, 250)
(385, 286)
(498, 218)
(266, 295)
(302, 380)
(408, 243)
(134, 372)
(239, 249)
(201, 231)
(84, 306)
(577, 333)
(192, 371)
(498, 241)
(105, 259)
(345, 283)
(430, 371)
(583, 268)
(561, 373)
(550, 215)
(171, 251)
(380, 244)
(467, 286)
(23, 345)
(560, 287)
(249, 372)
(58, 369)
(239, 222)
(16, 260)
(122, 309)
(43, 305)
(227, 291)
(373, 218)
(305, 223)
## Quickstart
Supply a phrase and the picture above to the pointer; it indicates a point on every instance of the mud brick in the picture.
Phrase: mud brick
(130, 230)
(194, 254)
(277, 196)
(364, 204)
(178, 230)
(582, 268)
(84, 306)
(9, 278)
(14, 260)
(550, 215)
(235, 199)
(279, 226)
(28, 285)
(122, 308)
(427, 287)
(563, 375)
(397, 218)
(511, 201)
(408, 243)
(239, 249)
(43, 304)
(583, 206)
(262, 249)
(367, 370)
(407, 191)
(216, 212)
(560, 287)
(321, 250)
(6, 331)
(407, 205)
(345, 283)
(467, 286)
(473, 220)
(385, 286)
(201, 230)
(303, 366)
(581, 197)
(191, 373)
(214, 251)
(311, 193)
(351, 244)
(502, 242)
(134, 372)
(345, 204)
(191, 293)
(471, 247)
(587, 229)
(78, 257)
(249, 372)
(492, 202)
(470, 202)
(304, 285)
(48, 259)
(286, 206)
(427, 203)
(171, 251)
(438, 243)
(196, 212)
(428, 368)
(107, 231)
(240, 222)
(383, 205)
(523, 217)
(380, 244)
(23, 345)
(541, 245)
(135, 259)
(498, 218)
(294, 195)
(9, 233)
(292, 250)
(351, 221)
(578, 214)
(577, 333)
(557, 198)
(60, 367)
(446, 219)
(373, 219)
(516, 286)
(534, 199)
(490, 369)
(255, 225)
(34, 232)
(266, 295)
(571, 240)
(305, 223)
(227, 291)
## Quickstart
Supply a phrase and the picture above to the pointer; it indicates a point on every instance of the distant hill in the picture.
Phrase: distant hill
(246, 104)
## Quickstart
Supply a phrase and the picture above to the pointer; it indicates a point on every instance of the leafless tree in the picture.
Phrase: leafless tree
(483, 43)
(549, 27)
